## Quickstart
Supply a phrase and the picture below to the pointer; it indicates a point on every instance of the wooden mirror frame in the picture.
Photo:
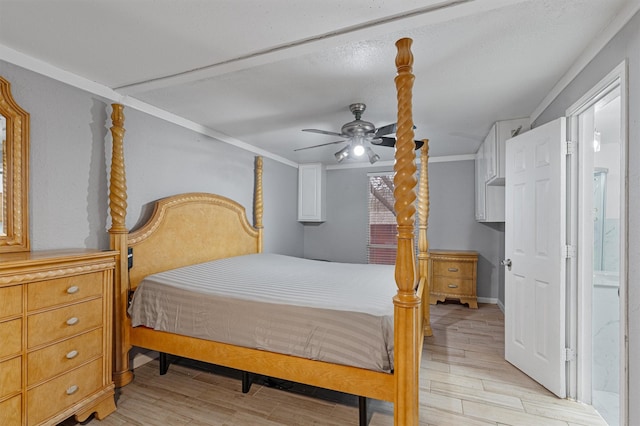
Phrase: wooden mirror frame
(15, 200)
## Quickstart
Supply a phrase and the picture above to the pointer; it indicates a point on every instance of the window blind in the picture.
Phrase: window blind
(382, 232)
(382, 241)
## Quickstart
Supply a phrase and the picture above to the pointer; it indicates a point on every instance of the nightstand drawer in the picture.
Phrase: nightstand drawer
(63, 290)
(453, 286)
(10, 301)
(11, 412)
(54, 396)
(10, 376)
(454, 269)
(11, 337)
(63, 356)
(63, 322)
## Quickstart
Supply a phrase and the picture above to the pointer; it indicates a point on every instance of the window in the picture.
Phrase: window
(382, 242)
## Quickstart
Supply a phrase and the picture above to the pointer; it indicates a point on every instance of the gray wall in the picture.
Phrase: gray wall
(70, 153)
(452, 222)
(626, 44)
(343, 237)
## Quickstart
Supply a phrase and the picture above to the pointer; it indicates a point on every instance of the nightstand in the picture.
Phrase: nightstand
(452, 275)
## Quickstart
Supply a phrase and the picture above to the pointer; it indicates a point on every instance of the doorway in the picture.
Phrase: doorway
(598, 124)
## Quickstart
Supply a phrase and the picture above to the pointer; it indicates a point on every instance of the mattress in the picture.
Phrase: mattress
(335, 312)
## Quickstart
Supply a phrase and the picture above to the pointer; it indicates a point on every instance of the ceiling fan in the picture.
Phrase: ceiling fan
(358, 132)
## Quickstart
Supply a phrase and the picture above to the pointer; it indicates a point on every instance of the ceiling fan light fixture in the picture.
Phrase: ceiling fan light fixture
(342, 154)
(373, 157)
(357, 142)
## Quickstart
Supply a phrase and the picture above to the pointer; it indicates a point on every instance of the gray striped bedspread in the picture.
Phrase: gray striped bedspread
(335, 312)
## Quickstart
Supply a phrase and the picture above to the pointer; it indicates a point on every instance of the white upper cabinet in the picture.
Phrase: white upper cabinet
(312, 182)
(490, 169)
(489, 198)
(495, 144)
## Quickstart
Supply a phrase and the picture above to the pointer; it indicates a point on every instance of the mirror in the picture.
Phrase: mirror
(14, 134)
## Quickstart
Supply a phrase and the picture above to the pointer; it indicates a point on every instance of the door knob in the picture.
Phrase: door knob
(507, 263)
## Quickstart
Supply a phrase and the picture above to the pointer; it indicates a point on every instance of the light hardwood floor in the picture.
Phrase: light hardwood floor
(464, 382)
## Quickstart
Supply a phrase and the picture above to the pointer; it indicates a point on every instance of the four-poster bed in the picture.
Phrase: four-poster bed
(194, 228)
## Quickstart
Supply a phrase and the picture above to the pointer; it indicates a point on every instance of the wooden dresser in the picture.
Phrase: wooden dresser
(452, 275)
(56, 336)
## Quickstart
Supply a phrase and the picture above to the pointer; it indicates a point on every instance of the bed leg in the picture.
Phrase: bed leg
(246, 382)
(362, 408)
(164, 363)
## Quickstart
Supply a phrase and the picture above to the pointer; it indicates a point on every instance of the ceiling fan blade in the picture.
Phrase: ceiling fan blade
(384, 141)
(391, 142)
(323, 132)
(386, 130)
(316, 146)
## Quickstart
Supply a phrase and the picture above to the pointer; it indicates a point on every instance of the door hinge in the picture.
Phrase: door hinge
(569, 148)
(569, 252)
(569, 354)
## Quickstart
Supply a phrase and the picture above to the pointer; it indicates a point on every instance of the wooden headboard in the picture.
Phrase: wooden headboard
(190, 228)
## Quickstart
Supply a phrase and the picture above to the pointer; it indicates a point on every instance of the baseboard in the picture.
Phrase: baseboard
(501, 306)
(490, 300)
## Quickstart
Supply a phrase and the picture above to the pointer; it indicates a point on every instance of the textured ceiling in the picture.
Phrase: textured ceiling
(257, 72)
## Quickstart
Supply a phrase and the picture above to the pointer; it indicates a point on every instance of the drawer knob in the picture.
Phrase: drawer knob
(452, 286)
(73, 289)
(72, 321)
(453, 269)
(72, 354)
(72, 389)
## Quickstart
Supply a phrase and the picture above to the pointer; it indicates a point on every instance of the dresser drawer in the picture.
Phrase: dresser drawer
(11, 337)
(63, 290)
(454, 269)
(62, 392)
(11, 412)
(63, 356)
(10, 301)
(63, 322)
(453, 286)
(10, 376)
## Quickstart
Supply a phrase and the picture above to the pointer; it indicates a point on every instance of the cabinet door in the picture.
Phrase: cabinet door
(494, 203)
(311, 192)
(480, 185)
(500, 132)
(490, 155)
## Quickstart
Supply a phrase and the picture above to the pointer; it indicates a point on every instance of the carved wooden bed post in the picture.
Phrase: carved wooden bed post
(406, 302)
(423, 241)
(258, 205)
(118, 241)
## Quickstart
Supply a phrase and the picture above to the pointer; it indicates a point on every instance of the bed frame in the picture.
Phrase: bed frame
(197, 227)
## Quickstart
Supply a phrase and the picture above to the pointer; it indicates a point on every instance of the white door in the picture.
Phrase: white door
(535, 234)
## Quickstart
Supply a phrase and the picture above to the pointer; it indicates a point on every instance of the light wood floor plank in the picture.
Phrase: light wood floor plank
(470, 394)
(507, 416)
